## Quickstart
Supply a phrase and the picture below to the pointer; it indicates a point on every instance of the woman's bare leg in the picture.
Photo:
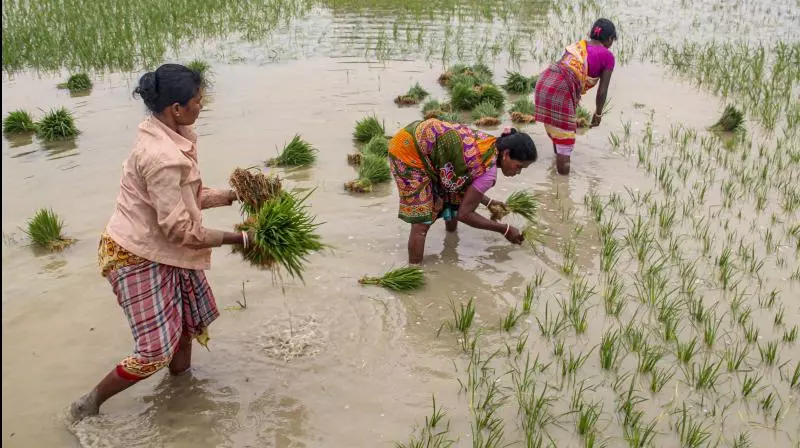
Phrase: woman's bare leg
(416, 242)
(182, 360)
(562, 164)
(90, 403)
(451, 225)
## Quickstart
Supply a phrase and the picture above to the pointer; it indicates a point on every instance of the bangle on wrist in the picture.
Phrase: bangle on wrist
(508, 227)
(245, 240)
(489, 203)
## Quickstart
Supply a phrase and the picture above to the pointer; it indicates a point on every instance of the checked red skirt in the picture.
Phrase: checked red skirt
(558, 93)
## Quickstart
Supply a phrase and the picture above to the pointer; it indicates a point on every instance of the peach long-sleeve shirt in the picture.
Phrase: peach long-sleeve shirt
(157, 215)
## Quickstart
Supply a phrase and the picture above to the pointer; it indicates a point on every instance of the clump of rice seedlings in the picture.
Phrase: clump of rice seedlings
(368, 128)
(648, 357)
(743, 440)
(432, 434)
(584, 117)
(794, 380)
(659, 378)
(769, 353)
(253, 188)
(572, 363)
(522, 203)
(588, 416)
(492, 94)
(692, 434)
(610, 346)
(519, 117)
(523, 111)
(685, 351)
(790, 336)
(510, 320)
(200, 66)
(57, 124)
(486, 122)
(704, 376)
(767, 402)
(464, 96)
(77, 83)
(296, 153)
(734, 357)
(731, 120)
(750, 385)
(373, 170)
(378, 146)
(284, 234)
(518, 83)
(485, 109)
(414, 95)
(435, 109)
(403, 279)
(451, 117)
(44, 230)
(18, 122)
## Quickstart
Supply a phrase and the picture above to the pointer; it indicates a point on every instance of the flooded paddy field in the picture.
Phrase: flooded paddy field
(661, 307)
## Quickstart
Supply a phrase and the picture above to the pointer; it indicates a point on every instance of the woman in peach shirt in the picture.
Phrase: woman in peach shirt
(155, 249)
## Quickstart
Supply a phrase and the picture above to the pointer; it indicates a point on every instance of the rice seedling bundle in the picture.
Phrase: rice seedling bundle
(485, 109)
(487, 121)
(519, 84)
(368, 128)
(521, 203)
(77, 83)
(254, 188)
(203, 68)
(491, 93)
(18, 122)
(414, 95)
(296, 153)
(519, 117)
(402, 279)
(523, 111)
(56, 125)
(584, 117)
(451, 117)
(373, 170)
(731, 120)
(378, 146)
(460, 73)
(464, 96)
(44, 230)
(284, 234)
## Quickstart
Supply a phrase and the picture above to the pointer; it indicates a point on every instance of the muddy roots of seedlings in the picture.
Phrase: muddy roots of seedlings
(284, 234)
(405, 100)
(358, 186)
(296, 153)
(57, 124)
(487, 122)
(403, 279)
(373, 170)
(355, 158)
(254, 188)
(584, 118)
(18, 122)
(414, 95)
(368, 128)
(44, 230)
(731, 120)
(498, 211)
(519, 117)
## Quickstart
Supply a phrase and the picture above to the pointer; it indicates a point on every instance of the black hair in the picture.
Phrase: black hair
(519, 145)
(602, 30)
(169, 84)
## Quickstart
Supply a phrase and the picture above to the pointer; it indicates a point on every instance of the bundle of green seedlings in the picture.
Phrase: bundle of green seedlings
(475, 74)
(367, 128)
(378, 146)
(584, 117)
(284, 234)
(731, 120)
(414, 95)
(373, 170)
(254, 188)
(435, 109)
(403, 279)
(522, 203)
(523, 111)
(203, 68)
(465, 96)
(78, 82)
(44, 230)
(520, 84)
(296, 153)
(57, 124)
(486, 114)
(18, 122)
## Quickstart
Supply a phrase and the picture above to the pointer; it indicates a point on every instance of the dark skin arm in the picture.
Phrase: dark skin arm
(467, 215)
(602, 93)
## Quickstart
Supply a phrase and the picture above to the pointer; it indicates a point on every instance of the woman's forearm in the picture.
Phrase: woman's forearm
(478, 221)
(600, 102)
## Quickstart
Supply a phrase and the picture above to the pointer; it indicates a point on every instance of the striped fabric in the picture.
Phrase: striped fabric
(160, 302)
(558, 93)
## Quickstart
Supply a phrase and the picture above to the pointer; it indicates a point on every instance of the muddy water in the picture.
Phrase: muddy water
(377, 360)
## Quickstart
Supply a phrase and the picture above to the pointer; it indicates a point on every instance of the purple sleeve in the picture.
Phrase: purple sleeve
(486, 180)
(608, 60)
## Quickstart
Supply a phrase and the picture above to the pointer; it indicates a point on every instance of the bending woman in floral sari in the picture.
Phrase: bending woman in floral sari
(443, 170)
(560, 87)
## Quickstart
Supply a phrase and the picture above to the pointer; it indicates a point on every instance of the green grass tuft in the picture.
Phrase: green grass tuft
(284, 234)
(18, 122)
(731, 120)
(297, 152)
(368, 128)
(464, 96)
(378, 146)
(77, 83)
(403, 279)
(492, 94)
(202, 67)
(56, 125)
(485, 109)
(519, 84)
(44, 230)
(374, 169)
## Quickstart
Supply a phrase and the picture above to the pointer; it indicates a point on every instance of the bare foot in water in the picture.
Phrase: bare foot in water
(83, 407)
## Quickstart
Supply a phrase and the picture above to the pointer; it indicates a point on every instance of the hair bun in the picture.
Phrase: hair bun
(148, 88)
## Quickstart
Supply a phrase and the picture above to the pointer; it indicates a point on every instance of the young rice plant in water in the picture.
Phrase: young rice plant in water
(403, 279)
(77, 83)
(44, 230)
(295, 154)
(18, 122)
(368, 128)
(57, 124)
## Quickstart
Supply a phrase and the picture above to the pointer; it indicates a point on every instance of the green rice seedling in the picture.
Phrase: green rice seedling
(769, 353)
(510, 320)
(639, 435)
(417, 92)
(433, 434)
(378, 146)
(609, 254)
(463, 315)
(634, 337)
(284, 234)
(742, 441)
(368, 128)
(685, 351)
(588, 416)
(203, 68)
(610, 348)
(584, 117)
(697, 310)
(731, 120)
(45, 231)
(490, 93)
(431, 105)
(744, 315)
(77, 83)
(522, 342)
(524, 106)
(451, 117)
(408, 278)
(648, 358)
(734, 356)
(705, 376)
(558, 348)
(692, 434)
(485, 109)
(522, 203)
(659, 378)
(794, 380)
(751, 333)
(518, 84)
(612, 296)
(711, 329)
(18, 122)
(790, 336)
(572, 363)
(552, 325)
(57, 124)
(779, 315)
(750, 385)
(527, 299)
(372, 171)
(464, 96)
(767, 402)
(296, 153)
